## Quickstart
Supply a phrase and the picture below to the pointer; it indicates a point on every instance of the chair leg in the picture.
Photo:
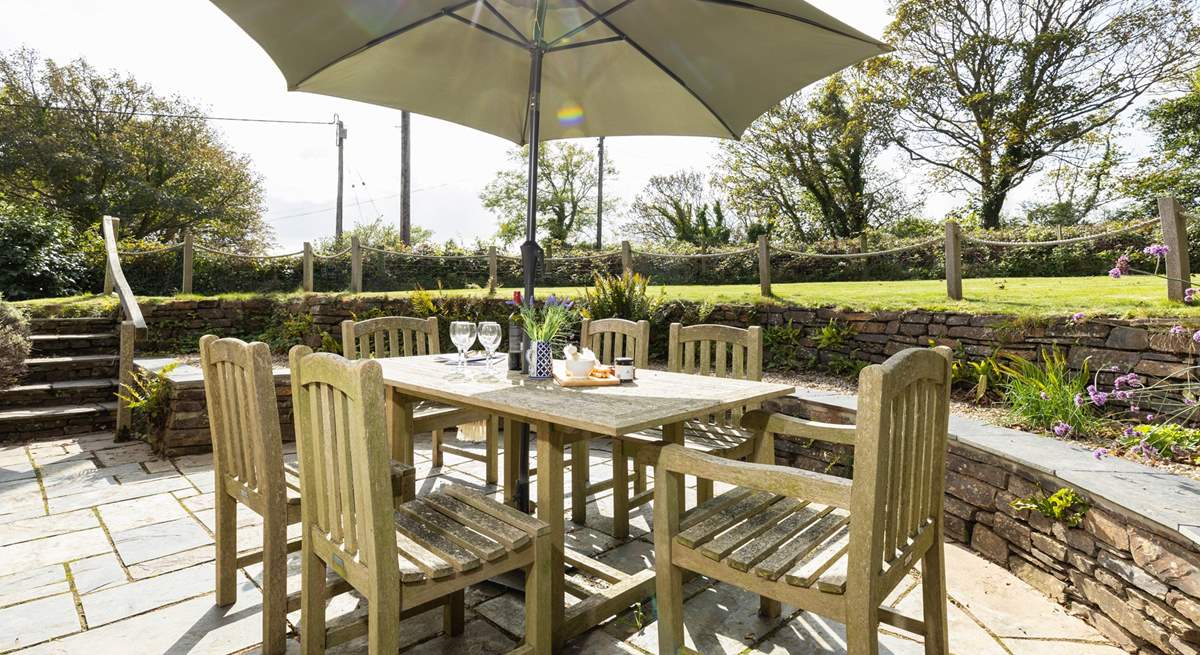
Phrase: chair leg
(274, 586)
(538, 631)
(580, 480)
(620, 490)
(639, 478)
(933, 591)
(511, 453)
(493, 447)
(226, 524)
(704, 490)
(454, 614)
(769, 608)
(435, 450)
(312, 602)
(862, 631)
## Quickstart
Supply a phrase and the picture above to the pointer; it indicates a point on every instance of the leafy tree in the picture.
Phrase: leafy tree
(1174, 168)
(810, 163)
(40, 255)
(376, 234)
(70, 141)
(679, 208)
(566, 207)
(1080, 184)
(991, 89)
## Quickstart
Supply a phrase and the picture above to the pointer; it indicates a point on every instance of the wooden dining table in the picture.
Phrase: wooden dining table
(561, 416)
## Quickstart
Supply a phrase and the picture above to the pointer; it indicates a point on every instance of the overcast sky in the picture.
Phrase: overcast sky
(190, 48)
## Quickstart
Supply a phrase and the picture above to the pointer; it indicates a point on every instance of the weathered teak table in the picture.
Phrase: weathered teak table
(561, 416)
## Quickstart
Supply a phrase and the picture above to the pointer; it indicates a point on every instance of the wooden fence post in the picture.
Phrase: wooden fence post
(307, 276)
(1174, 231)
(626, 258)
(764, 266)
(355, 265)
(128, 338)
(188, 259)
(493, 279)
(953, 261)
(108, 278)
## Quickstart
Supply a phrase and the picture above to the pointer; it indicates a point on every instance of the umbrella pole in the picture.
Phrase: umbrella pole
(530, 252)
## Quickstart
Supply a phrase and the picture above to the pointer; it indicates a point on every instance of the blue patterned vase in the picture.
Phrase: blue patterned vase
(541, 366)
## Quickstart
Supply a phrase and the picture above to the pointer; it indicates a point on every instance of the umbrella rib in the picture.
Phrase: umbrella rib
(590, 22)
(489, 31)
(507, 23)
(739, 4)
(380, 39)
(654, 60)
(581, 44)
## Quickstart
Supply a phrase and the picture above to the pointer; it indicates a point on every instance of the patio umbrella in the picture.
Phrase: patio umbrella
(601, 67)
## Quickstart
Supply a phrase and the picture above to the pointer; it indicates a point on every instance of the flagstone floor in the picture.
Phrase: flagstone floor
(106, 548)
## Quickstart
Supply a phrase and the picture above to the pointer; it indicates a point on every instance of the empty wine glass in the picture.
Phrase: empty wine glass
(462, 333)
(489, 338)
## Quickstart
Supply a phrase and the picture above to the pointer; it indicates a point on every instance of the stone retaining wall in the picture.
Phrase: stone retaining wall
(1134, 581)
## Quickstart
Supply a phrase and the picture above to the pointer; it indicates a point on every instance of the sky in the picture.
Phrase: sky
(189, 47)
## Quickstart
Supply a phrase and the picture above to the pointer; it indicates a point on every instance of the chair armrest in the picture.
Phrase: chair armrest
(776, 423)
(782, 480)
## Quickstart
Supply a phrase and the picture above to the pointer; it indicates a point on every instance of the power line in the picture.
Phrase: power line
(330, 208)
(150, 114)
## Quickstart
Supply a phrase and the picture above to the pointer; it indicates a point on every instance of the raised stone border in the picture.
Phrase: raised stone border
(1132, 569)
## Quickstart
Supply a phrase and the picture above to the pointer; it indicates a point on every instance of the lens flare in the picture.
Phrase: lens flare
(570, 115)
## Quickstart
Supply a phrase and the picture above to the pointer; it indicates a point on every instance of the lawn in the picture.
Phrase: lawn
(1127, 297)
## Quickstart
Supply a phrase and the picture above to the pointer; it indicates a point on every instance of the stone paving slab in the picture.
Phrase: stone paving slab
(134, 530)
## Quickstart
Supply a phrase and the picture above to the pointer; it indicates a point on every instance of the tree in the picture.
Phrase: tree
(1174, 167)
(679, 208)
(810, 163)
(1080, 184)
(71, 141)
(566, 193)
(990, 89)
(376, 234)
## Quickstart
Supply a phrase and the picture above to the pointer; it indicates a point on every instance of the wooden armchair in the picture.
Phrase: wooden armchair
(249, 468)
(401, 336)
(718, 350)
(400, 558)
(824, 544)
(609, 338)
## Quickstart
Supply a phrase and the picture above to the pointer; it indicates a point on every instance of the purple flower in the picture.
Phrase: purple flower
(1189, 401)
(1196, 336)
(1149, 417)
(1134, 408)
(1178, 329)
(1099, 398)
(1156, 250)
(1121, 268)
(1044, 396)
(1189, 294)
(1122, 395)
(1115, 273)
(1062, 429)
(1100, 453)
(1128, 431)
(1079, 401)
(1130, 380)
(1077, 318)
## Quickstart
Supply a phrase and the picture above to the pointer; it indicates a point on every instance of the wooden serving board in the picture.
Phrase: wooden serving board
(564, 380)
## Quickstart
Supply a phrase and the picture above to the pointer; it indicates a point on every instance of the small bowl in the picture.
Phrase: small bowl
(580, 368)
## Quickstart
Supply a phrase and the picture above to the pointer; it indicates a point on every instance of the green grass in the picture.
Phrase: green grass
(1127, 297)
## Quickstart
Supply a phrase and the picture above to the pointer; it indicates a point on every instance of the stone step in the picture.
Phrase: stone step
(25, 423)
(69, 392)
(77, 367)
(60, 345)
(72, 325)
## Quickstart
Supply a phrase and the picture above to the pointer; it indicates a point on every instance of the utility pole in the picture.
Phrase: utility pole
(600, 198)
(405, 188)
(341, 140)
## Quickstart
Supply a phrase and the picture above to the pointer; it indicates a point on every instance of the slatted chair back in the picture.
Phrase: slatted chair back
(899, 465)
(610, 338)
(718, 350)
(243, 416)
(344, 467)
(390, 336)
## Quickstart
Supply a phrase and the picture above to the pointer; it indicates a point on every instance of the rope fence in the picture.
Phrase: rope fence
(391, 269)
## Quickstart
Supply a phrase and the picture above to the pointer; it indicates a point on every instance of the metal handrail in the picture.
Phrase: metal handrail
(129, 303)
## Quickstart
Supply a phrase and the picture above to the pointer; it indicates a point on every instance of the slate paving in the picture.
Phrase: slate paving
(107, 548)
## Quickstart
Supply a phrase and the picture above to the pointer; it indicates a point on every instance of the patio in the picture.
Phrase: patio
(103, 542)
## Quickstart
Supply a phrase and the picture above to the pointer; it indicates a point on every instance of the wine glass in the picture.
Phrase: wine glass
(489, 338)
(462, 333)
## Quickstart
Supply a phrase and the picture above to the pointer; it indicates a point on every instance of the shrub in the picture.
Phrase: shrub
(981, 377)
(14, 344)
(1045, 395)
(40, 255)
(1063, 505)
(149, 398)
(289, 329)
(784, 349)
(1163, 440)
(624, 296)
